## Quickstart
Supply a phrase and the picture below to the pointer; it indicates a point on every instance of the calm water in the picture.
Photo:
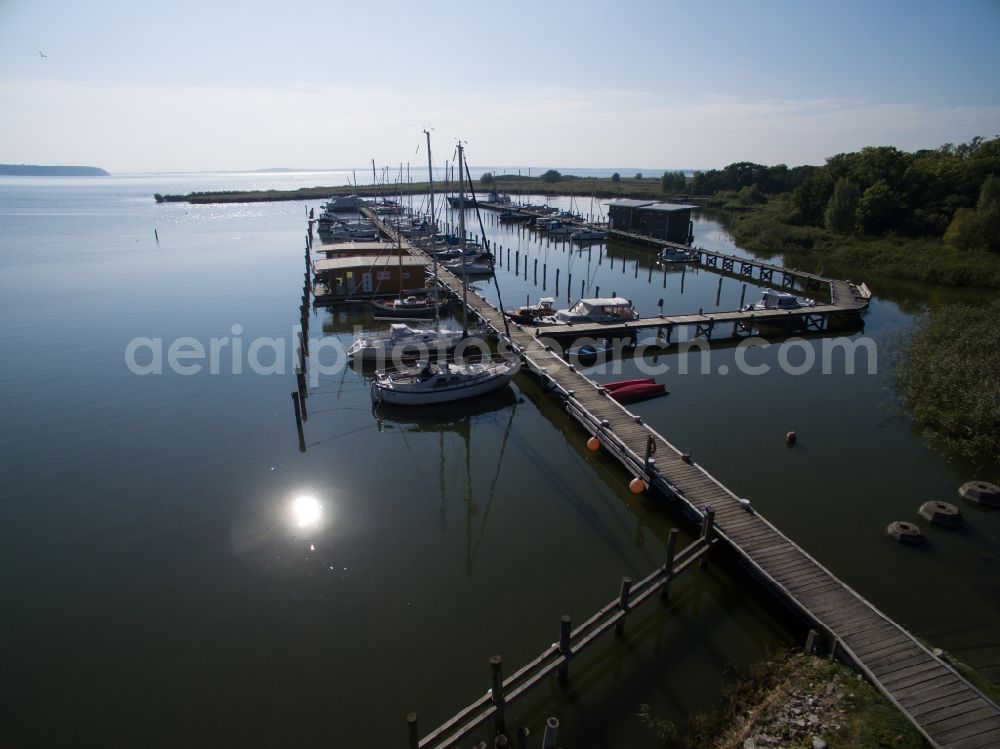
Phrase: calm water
(165, 582)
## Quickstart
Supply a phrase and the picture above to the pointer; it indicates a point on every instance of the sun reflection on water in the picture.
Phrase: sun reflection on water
(306, 511)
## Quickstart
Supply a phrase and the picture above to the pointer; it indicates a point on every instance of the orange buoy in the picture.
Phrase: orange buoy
(637, 486)
(593, 444)
(790, 438)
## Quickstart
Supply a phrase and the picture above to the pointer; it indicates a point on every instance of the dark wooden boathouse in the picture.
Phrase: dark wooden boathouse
(668, 221)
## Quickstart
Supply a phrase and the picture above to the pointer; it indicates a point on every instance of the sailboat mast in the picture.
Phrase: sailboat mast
(433, 224)
(461, 241)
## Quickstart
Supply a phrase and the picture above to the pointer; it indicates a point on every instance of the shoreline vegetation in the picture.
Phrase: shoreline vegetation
(788, 699)
(598, 187)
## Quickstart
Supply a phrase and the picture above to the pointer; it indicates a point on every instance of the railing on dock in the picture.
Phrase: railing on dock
(556, 659)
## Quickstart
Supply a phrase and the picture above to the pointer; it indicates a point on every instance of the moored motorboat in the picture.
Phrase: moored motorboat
(527, 314)
(442, 382)
(778, 300)
(600, 310)
(674, 255)
(588, 235)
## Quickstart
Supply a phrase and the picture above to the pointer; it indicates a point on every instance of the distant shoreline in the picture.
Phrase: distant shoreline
(598, 187)
(35, 170)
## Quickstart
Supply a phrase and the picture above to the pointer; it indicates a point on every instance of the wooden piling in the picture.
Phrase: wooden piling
(551, 736)
(536, 270)
(669, 567)
(565, 648)
(298, 422)
(707, 523)
(569, 285)
(521, 738)
(623, 604)
(743, 295)
(411, 725)
(496, 675)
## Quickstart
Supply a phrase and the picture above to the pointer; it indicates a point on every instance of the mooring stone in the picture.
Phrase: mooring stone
(905, 533)
(941, 513)
(980, 493)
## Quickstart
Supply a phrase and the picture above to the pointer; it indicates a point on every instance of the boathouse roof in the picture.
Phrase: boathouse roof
(630, 203)
(667, 207)
(369, 263)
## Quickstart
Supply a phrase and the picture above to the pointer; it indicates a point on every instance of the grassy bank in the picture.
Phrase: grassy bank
(929, 260)
(787, 699)
(949, 377)
(605, 187)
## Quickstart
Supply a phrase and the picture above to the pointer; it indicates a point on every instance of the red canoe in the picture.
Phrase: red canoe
(613, 386)
(638, 392)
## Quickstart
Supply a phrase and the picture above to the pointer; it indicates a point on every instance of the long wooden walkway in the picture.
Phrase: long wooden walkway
(941, 703)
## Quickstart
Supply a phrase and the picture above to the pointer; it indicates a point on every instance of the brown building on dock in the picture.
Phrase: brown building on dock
(365, 277)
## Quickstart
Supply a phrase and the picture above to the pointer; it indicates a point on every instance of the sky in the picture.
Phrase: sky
(140, 86)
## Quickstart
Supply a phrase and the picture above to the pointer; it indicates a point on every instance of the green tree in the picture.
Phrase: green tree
(978, 229)
(616, 178)
(673, 182)
(487, 178)
(551, 176)
(840, 210)
(638, 175)
(878, 209)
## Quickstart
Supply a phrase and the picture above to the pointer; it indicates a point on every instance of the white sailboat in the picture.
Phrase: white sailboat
(442, 382)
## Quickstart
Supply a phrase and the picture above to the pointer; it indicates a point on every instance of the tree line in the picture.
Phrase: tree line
(950, 193)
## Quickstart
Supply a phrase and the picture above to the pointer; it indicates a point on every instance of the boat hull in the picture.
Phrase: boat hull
(385, 391)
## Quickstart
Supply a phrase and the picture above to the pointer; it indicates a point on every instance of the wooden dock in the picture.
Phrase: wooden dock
(947, 709)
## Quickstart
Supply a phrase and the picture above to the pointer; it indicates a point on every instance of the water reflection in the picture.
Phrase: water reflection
(476, 487)
(306, 511)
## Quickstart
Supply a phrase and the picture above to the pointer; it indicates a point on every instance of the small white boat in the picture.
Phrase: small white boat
(778, 300)
(402, 341)
(479, 265)
(602, 310)
(588, 235)
(674, 255)
(442, 382)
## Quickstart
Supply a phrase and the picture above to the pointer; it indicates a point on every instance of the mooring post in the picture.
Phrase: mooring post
(521, 738)
(706, 532)
(565, 648)
(517, 262)
(411, 726)
(508, 258)
(569, 285)
(536, 270)
(583, 286)
(298, 422)
(551, 736)
(557, 282)
(743, 295)
(812, 641)
(649, 279)
(300, 378)
(545, 271)
(597, 291)
(668, 569)
(623, 604)
(499, 702)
